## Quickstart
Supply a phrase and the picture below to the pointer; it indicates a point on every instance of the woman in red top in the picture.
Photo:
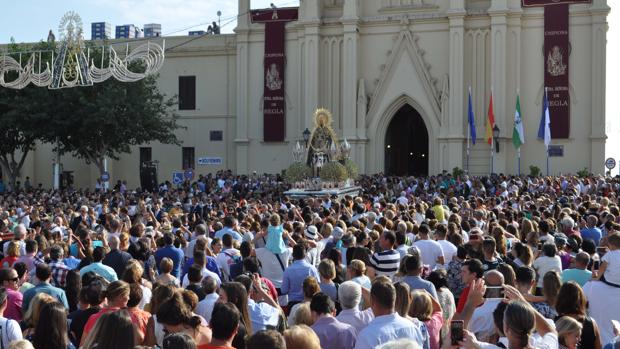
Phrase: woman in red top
(113, 330)
(12, 255)
(135, 297)
(117, 295)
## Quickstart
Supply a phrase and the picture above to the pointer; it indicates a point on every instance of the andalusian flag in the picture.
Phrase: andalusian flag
(517, 133)
(490, 122)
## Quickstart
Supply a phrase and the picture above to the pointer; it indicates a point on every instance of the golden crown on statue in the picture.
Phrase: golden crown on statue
(322, 117)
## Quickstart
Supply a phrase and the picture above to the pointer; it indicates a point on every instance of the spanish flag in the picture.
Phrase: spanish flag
(490, 122)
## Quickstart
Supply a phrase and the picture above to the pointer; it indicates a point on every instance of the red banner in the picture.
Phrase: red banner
(531, 3)
(557, 50)
(274, 102)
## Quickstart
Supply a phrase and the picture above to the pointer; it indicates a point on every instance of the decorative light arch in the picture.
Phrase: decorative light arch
(71, 67)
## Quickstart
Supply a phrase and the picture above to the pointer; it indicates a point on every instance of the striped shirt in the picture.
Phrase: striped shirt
(386, 263)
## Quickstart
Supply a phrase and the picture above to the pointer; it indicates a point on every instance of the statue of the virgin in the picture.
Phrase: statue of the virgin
(321, 138)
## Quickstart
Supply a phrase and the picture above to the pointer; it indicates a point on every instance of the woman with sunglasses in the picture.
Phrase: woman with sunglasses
(10, 281)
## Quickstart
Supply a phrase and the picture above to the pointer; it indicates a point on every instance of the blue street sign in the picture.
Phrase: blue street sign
(177, 178)
(189, 174)
(105, 176)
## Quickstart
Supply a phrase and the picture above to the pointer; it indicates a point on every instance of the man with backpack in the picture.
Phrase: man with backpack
(228, 256)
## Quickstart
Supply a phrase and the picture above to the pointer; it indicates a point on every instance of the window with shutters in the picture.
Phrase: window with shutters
(188, 158)
(146, 155)
(216, 136)
(187, 92)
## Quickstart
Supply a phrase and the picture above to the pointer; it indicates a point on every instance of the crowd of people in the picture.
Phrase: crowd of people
(228, 261)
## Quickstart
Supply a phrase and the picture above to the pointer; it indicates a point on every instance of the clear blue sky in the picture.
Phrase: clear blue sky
(30, 20)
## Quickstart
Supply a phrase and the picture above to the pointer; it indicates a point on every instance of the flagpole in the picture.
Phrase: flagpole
(492, 156)
(519, 161)
(519, 149)
(468, 147)
(547, 145)
(468, 131)
(492, 139)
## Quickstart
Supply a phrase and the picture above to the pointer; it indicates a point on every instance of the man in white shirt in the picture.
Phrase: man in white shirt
(205, 273)
(200, 231)
(263, 310)
(548, 261)
(448, 248)
(430, 251)
(481, 322)
(387, 324)
(227, 257)
(272, 265)
(205, 306)
(401, 244)
(312, 255)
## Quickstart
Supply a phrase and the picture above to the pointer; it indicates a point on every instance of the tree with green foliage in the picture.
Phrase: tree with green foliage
(15, 141)
(91, 122)
(22, 114)
(106, 119)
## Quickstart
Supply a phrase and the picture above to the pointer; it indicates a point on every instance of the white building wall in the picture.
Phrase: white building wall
(503, 48)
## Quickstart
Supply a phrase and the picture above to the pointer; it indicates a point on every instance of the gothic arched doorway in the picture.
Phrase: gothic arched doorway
(406, 144)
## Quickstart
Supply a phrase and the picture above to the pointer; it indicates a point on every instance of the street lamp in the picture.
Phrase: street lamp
(306, 135)
(496, 138)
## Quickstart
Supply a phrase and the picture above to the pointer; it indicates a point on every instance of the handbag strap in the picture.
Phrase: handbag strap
(279, 261)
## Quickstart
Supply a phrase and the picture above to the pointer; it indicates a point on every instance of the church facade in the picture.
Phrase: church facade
(395, 74)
